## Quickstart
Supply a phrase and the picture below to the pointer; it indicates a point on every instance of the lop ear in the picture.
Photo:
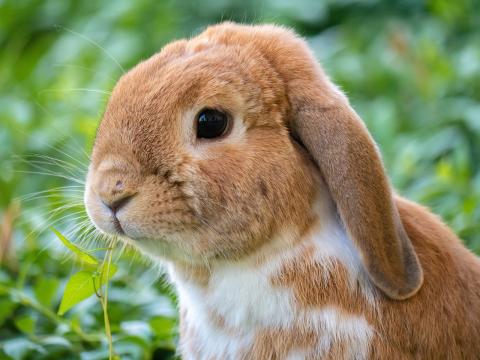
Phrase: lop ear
(352, 168)
(321, 117)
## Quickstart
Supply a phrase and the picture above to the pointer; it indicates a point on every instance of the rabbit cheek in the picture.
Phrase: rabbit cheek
(160, 211)
(248, 194)
(228, 211)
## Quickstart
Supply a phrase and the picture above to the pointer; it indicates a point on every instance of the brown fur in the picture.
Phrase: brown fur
(441, 321)
(202, 201)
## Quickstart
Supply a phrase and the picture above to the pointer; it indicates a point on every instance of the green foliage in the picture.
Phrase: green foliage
(410, 68)
(93, 280)
(87, 282)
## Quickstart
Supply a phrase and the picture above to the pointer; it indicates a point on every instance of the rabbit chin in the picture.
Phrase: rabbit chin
(158, 247)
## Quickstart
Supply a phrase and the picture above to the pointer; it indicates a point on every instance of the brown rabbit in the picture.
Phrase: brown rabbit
(235, 161)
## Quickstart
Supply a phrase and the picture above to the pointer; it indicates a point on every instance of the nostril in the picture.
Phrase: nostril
(119, 185)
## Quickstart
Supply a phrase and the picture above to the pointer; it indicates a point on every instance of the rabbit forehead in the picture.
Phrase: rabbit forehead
(188, 76)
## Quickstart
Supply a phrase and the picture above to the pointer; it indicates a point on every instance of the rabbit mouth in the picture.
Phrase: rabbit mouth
(117, 225)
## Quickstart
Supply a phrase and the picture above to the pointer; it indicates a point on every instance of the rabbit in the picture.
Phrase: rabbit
(234, 161)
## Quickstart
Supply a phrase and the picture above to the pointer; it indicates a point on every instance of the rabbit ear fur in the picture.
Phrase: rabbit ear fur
(338, 141)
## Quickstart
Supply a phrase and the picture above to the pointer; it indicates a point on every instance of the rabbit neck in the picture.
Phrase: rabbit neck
(231, 303)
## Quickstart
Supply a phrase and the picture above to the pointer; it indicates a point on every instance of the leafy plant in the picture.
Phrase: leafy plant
(93, 279)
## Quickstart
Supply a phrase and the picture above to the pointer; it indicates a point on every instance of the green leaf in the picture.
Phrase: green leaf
(163, 327)
(82, 254)
(79, 287)
(7, 307)
(107, 270)
(25, 324)
(82, 285)
(45, 289)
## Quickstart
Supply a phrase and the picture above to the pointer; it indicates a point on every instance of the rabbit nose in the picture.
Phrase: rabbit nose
(115, 205)
(114, 194)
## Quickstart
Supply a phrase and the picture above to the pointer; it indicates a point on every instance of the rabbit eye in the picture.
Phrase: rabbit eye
(211, 123)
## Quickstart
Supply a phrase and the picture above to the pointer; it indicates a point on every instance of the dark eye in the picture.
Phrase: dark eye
(211, 123)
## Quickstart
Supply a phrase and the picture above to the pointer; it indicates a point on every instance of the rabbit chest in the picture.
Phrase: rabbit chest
(289, 306)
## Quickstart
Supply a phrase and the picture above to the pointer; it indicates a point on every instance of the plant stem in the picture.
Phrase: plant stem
(104, 302)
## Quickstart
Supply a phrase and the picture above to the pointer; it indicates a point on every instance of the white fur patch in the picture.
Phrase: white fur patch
(336, 326)
(243, 296)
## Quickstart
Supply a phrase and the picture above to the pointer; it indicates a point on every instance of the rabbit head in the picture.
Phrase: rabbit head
(215, 144)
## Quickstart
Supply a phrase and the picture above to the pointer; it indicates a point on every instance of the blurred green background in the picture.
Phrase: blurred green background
(411, 69)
